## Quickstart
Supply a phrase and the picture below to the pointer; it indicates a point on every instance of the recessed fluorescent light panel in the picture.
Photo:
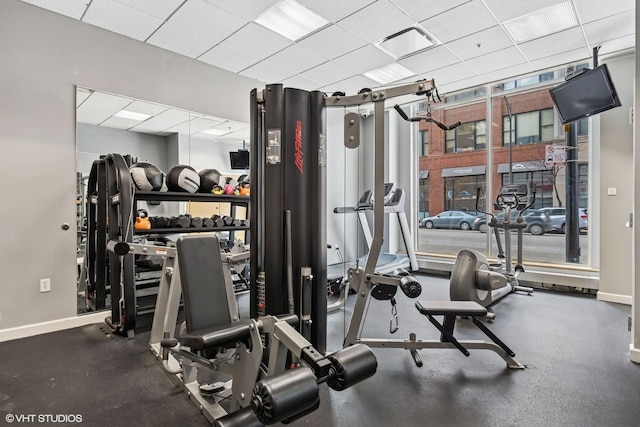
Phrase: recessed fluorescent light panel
(132, 115)
(542, 22)
(216, 132)
(291, 20)
(389, 73)
(405, 43)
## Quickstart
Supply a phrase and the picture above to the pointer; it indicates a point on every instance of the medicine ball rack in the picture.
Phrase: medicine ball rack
(111, 205)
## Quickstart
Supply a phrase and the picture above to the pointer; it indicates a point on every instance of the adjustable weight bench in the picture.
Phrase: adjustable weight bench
(216, 338)
(451, 310)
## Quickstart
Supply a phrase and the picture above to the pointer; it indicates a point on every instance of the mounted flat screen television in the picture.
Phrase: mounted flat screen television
(586, 94)
(239, 159)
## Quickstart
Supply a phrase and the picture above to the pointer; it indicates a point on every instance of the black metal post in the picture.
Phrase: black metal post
(572, 232)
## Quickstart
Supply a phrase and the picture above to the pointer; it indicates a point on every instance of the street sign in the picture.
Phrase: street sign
(555, 155)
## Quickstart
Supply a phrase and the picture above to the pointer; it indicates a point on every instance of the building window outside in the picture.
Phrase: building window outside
(583, 185)
(541, 181)
(423, 141)
(583, 127)
(460, 192)
(528, 128)
(423, 198)
(467, 137)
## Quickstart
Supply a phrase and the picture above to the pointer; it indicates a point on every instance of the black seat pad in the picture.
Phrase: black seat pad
(457, 308)
(217, 337)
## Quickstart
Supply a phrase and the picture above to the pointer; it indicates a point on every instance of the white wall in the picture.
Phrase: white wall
(616, 155)
(44, 56)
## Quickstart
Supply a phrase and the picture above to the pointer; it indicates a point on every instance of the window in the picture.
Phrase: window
(528, 128)
(423, 141)
(583, 185)
(467, 137)
(460, 192)
(583, 127)
(542, 181)
(423, 200)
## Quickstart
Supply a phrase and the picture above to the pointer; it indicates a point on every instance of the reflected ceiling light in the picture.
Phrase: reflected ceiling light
(542, 22)
(132, 115)
(389, 73)
(405, 43)
(216, 132)
(291, 19)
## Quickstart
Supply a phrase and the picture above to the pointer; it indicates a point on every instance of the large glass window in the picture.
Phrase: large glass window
(460, 192)
(542, 181)
(528, 128)
(423, 142)
(467, 137)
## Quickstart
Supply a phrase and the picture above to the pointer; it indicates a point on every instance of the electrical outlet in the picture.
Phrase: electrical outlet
(45, 285)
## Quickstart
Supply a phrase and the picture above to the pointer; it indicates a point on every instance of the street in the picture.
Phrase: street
(549, 247)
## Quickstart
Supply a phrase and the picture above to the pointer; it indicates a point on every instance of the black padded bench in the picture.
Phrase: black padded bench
(471, 309)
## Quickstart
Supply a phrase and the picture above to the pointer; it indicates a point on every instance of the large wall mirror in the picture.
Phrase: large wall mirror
(158, 134)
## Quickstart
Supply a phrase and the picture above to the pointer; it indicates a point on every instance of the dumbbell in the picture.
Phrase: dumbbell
(182, 221)
(197, 222)
(159, 222)
(218, 221)
(208, 223)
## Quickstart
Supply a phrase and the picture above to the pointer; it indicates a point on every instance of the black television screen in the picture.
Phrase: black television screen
(239, 159)
(589, 93)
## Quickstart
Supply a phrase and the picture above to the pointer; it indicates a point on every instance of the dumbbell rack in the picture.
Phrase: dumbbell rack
(110, 201)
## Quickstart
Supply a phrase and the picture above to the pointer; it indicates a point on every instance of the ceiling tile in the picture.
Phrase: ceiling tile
(430, 60)
(451, 73)
(146, 108)
(160, 9)
(507, 73)
(509, 9)
(179, 40)
(247, 9)
(327, 73)
(555, 43)
(71, 8)
(462, 84)
(622, 43)
(119, 123)
(364, 59)
(562, 58)
(300, 82)
(620, 25)
(481, 43)
(335, 10)
(497, 60)
(332, 42)
(164, 121)
(211, 22)
(227, 58)
(100, 106)
(592, 10)
(121, 19)
(449, 25)
(266, 73)
(421, 10)
(256, 41)
(296, 59)
(199, 124)
(82, 94)
(376, 21)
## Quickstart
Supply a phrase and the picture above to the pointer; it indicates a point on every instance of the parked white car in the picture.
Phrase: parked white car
(558, 217)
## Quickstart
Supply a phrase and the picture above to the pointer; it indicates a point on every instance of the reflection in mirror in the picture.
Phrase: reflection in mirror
(165, 137)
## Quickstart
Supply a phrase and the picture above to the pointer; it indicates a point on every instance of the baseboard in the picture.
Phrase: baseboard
(634, 354)
(620, 299)
(52, 326)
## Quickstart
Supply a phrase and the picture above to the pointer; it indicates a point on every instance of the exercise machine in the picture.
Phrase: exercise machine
(475, 279)
(370, 284)
(388, 263)
(258, 353)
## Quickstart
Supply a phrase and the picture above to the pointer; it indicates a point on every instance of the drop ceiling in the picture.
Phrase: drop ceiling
(471, 43)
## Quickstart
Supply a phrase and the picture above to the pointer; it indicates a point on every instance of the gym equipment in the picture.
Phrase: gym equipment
(475, 279)
(367, 281)
(183, 178)
(394, 201)
(216, 339)
(209, 179)
(142, 220)
(288, 174)
(146, 176)
(182, 221)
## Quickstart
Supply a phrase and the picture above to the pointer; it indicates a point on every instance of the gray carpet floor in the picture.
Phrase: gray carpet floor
(574, 347)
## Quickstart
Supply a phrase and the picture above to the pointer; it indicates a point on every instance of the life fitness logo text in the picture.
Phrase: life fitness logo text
(299, 161)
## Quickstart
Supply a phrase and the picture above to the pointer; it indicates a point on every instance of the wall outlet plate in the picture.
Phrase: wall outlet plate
(45, 285)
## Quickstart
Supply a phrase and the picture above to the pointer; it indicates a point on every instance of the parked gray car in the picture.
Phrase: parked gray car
(558, 218)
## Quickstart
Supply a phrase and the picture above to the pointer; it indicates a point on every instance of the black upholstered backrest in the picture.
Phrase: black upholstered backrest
(204, 291)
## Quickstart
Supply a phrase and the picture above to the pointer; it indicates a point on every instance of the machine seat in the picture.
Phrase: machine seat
(451, 308)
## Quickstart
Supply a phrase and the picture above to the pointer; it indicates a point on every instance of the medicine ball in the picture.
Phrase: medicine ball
(146, 177)
(184, 179)
(209, 179)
